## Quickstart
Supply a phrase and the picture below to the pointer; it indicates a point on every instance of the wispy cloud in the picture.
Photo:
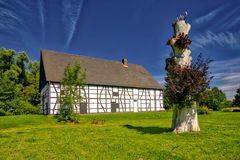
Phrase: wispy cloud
(9, 20)
(228, 19)
(233, 22)
(13, 23)
(222, 39)
(42, 18)
(209, 16)
(71, 14)
(227, 74)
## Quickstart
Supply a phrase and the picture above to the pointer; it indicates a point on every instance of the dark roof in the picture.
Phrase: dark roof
(98, 71)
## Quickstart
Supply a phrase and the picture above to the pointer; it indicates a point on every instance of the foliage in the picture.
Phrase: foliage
(147, 137)
(227, 103)
(232, 109)
(227, 110)
(31, 91)
(25, 107)
(19, 83)
(73, 80)
(71, 117)
(7, 89)
(2, 112)
(203, 110)
(236, 101)
(214, 98)
(166, 101)
(185, 84)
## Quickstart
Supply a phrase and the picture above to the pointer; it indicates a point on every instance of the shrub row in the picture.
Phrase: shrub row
(18, 108)
(203, 110)
(233, 109)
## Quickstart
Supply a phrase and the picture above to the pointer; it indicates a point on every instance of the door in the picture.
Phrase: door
(83, 108)
(114, 107)
(135, 105)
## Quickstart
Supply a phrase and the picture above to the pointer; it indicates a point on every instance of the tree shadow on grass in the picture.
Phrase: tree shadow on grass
(148, 130)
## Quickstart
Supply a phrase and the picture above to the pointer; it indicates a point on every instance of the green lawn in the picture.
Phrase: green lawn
(139, 136)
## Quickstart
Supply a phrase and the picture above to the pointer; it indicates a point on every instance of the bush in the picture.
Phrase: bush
(166, 102)
(227, 110)
(99, 121)
(2, 112)
(203, 110)
(73, 118)
(25, 108)
(236, 109)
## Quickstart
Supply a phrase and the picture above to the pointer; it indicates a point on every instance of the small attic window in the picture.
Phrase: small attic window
(115, 94)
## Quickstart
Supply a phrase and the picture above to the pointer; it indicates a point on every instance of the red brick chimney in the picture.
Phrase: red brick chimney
(124, 62)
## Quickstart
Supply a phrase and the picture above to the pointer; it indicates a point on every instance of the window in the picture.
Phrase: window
(115, 94)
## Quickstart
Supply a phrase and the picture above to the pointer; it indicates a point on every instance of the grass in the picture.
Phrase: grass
(140, 136)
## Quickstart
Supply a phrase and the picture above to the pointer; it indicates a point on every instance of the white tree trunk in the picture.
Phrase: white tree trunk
(185, 119)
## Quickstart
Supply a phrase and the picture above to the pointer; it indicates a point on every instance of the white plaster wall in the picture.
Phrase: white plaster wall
(99, 98)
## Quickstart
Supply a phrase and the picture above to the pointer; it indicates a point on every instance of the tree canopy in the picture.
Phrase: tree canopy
(214, 98)
(236, 101)
(19, 83)
(184, 85)
(73, 80)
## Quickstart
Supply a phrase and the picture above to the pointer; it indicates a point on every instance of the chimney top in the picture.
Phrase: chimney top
(124, 62)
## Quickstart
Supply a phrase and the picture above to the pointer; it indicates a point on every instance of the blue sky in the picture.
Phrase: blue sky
(136, 29)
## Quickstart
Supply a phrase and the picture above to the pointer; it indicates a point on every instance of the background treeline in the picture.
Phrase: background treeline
(212, 99)
(19, 83)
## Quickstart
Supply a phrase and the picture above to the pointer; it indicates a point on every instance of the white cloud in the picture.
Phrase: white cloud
(42, 18)
(233, 22)
(221, 39)
(71, 14)
(13, 23)
(209, 16)
(229, 19)
(227, 73)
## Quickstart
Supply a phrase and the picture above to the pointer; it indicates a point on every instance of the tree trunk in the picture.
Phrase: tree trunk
(185, 119)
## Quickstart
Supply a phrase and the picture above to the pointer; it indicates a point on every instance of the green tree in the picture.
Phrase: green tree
(7, 92)
(22, 61)
(31, 91)
(166, 101)
(214, 98)
(19, 83)
(73, 80)
(236, 101)
(6, 59)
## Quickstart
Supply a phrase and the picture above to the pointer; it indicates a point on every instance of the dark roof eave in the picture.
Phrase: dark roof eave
(160, 88)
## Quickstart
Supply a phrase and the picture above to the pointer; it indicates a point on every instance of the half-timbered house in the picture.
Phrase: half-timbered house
(111, 86)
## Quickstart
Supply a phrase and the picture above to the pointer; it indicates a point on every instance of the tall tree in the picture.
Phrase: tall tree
(31, 91)
(19, 78)
(185, 80)
(6, 59)
(22, 62)
(73, 80)
(7, 92)
(236, 101)
(213, 98)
